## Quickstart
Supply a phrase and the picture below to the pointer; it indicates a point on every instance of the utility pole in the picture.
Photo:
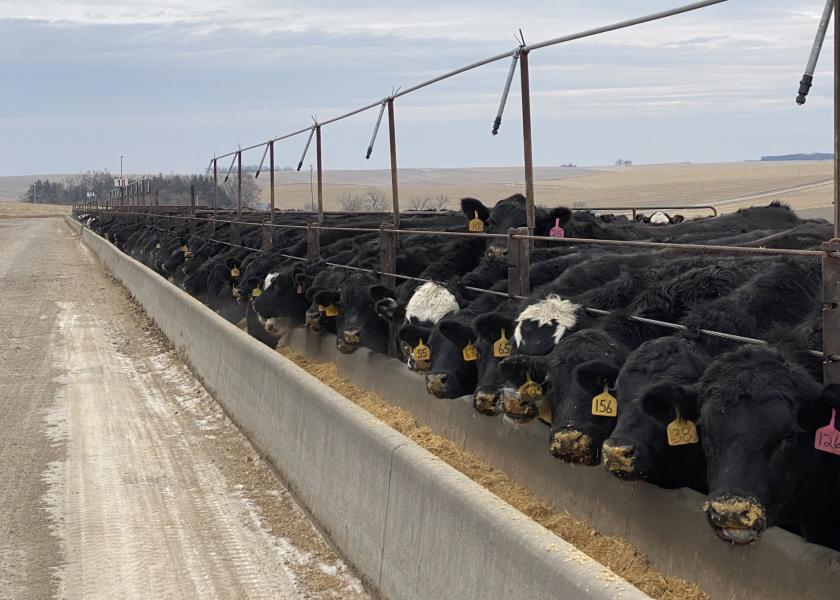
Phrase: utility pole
(311, 191)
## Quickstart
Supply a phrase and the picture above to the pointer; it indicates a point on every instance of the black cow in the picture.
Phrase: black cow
(649, 401)
(759, 413)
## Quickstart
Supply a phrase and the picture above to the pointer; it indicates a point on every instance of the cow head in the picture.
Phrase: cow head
(357, 324)
(526, 387)
(280, 307)
(452, 371)
(492, 331)
(758, 418)
(638, 447)
(576, 433)
(541, 325)
(510, 213)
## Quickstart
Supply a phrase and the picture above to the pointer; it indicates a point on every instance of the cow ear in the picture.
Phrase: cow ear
(325, 297)
(304, 280)
(471, 207)
(819, 413)
(411, 334)
(378, 292)
(390, 310)
(662, 400)
(677, 219)
(595, 375)
(560, 215)
(456, 332)
(489, 326)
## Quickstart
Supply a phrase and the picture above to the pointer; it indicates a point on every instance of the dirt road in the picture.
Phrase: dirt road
(121, 478)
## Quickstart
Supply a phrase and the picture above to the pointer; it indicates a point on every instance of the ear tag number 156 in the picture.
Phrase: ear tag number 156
(605, 404)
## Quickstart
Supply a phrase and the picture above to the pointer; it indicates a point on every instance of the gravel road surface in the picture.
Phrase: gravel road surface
(121, 477)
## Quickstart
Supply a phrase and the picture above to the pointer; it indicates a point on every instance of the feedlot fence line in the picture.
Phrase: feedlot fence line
(519, 55)
(388, 276)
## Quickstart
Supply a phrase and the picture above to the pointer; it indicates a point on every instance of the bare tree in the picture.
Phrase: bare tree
(374, 200)
(440, 202)
(417, 203)
(350, 202)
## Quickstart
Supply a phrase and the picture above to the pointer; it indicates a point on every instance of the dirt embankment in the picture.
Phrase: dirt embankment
(617, 554)
(27, 209)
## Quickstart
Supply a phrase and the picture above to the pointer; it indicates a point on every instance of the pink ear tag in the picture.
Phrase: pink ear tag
(828, 438)
(557, 231)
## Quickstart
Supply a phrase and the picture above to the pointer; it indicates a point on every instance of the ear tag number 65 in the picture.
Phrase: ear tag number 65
(501, 347)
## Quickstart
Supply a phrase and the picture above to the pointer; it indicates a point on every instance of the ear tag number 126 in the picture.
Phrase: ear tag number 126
(557, 231)
(828, 438)
(605, 404)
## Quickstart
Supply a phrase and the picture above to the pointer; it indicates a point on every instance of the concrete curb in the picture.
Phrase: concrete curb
(413, 526)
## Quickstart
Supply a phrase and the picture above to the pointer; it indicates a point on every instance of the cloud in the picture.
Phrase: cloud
(129, 77)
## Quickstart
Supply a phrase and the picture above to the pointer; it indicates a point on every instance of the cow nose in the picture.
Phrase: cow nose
(573, 446)
(514, 406)
(485, 402)
(313, 318)
(352, 335)
(436, 383)
(619, 458)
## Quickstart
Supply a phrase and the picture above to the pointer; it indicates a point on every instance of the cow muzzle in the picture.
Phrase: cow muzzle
(349, 340)
(620, 460)
(516, 407)
(313, 320)
(736, 519)
(497, 251)
(437, 384)
(573, 446)
(486, 403)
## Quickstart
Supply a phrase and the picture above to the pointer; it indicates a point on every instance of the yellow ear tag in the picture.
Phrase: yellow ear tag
(256, 292)
(421, 352)
(157, 247)
(234, 272)
(530, 390)
(331, 310)
(501, 347)
(605, 404)
(185, 248)
(475, 225)
(322, 308)
(682, 431)
(470, 353)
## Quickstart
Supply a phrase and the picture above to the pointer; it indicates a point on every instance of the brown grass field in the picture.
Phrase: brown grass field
(24, 209)
(803, 184)
(806, 185)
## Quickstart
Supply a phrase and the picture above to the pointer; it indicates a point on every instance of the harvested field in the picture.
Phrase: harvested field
(731, 185)
(616, 554)
(25, 209)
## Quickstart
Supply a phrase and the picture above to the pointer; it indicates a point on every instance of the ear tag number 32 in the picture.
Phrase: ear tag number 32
(470, 353)
(476, 225)
(605, 404)
(828, 438)
(501, 347)
(682, 431)
(421, 352)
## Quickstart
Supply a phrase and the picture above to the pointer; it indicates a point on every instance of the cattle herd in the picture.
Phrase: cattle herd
(674, 407)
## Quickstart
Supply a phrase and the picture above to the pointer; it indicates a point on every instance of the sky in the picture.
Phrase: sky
(170, 84)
